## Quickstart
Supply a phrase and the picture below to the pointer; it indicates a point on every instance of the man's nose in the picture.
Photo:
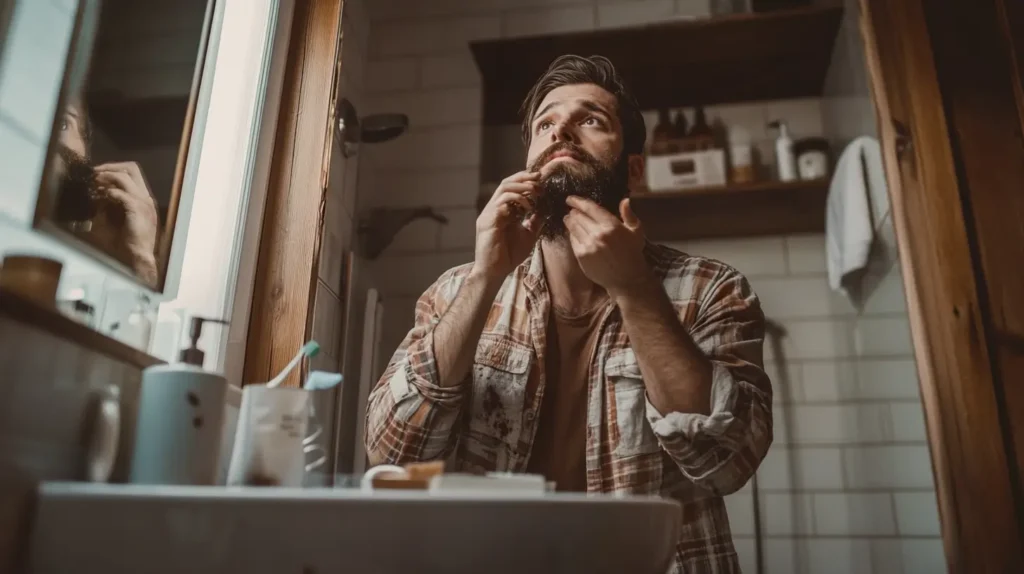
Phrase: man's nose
(563, 133)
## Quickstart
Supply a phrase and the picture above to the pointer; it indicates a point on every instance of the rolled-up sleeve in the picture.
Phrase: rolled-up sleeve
(721, 451)
(409, 416)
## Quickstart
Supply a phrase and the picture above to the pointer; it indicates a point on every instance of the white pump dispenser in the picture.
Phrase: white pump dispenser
(784, 157)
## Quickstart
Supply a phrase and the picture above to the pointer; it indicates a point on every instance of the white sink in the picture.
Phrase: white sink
(128, 529)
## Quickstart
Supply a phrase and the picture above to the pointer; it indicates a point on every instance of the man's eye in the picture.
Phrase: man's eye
(64, 125)
(591, 121)
(544, 125)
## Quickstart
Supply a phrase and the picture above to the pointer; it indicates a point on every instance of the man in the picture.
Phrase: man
(109, 205)
(574, 348)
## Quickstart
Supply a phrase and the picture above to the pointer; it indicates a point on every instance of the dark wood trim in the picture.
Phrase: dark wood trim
(286, 271)
(57, 324)
(960, 390)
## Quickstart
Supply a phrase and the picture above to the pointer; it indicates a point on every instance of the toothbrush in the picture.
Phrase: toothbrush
(310, 350)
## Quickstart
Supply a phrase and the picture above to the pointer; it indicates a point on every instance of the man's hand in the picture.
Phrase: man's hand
(503, 238)
(610, 251)
(122, 184)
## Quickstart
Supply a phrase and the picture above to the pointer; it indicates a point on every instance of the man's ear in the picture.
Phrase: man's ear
(637, 173)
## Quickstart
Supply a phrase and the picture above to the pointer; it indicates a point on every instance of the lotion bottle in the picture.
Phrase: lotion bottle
(181, 414)
(784, 157)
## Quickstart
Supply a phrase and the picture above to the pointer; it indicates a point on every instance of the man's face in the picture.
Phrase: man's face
(75, 177)
(576, 146)
(71, 135)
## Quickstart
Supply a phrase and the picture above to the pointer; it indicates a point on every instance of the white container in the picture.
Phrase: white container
(686, 170)
(178, 431)
(784, 153)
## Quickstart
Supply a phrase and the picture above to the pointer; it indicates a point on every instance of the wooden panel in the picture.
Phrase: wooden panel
(969, 456)
(286, 271)
(728, 59)
(981, 88)
(766, 208)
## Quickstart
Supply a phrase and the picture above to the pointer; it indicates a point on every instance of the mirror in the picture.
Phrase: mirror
(112, 182)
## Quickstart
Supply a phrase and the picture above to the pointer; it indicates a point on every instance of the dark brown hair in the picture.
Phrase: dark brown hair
(569, 70)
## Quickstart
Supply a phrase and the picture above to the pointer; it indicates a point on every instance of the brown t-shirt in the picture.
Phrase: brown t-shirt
(560, 445)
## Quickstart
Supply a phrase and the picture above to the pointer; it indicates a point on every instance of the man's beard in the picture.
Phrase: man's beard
(603, 184)
(76, 188)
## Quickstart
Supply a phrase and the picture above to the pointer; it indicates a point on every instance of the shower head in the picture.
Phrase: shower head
(377, 128)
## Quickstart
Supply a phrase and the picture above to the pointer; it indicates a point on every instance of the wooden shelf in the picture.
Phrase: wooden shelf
(746, 57)
(763, 208)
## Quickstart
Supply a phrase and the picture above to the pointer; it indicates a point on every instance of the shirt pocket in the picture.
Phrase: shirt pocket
(635, 436)
(500, 371)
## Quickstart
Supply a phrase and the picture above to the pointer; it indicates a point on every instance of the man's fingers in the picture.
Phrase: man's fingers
(511, 197)
(118, 179)
(577, 225)
(517, 178)
(629, 218)
(590, 209)
(533, 224)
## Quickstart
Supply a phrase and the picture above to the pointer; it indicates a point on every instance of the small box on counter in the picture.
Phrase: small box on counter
(686, 169)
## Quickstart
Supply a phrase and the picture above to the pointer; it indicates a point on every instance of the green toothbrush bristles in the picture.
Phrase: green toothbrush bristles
(311, 349)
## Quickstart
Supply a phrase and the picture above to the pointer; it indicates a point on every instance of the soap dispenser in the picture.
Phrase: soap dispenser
(180, 419)
(784, 157)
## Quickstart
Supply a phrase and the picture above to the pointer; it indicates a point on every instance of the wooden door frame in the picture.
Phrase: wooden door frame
(289, 251)
(946, 281)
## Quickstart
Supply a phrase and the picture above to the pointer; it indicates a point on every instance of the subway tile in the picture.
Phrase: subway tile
(787, 514)
(828, 381)
(420, 235)
(432, 108)
(837, 556)
(917, 513)
(780, 556)
(881, 336)
(801, 469)
(740, 508)
(923, 556)
(549, 21)
(887, 295)
(391, 75)
(786, 382)
(888, 379)
(438, 188)
(693, 8)
(817, 339)
(806, 253)
(450, 70)
(448, 147)
(411, 275)
(908, 422)
(746, 550)
(633, 12)
(753, 257)
(887, 555)
(840, 424)
(895, 466)
(800, 297)
(854, 514)
(803, 116)
(460, 233)
(434, 36)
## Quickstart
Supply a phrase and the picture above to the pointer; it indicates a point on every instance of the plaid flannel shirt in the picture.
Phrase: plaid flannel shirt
(488, 422)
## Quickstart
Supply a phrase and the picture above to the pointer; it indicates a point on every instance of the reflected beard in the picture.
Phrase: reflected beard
(604, 185)
(76, 188)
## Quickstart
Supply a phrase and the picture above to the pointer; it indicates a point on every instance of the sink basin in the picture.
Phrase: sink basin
(126, 528)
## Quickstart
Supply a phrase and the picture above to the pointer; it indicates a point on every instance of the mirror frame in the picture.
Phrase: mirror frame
(80, 50)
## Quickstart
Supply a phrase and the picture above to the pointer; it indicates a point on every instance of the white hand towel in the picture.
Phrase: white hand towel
(856, 201)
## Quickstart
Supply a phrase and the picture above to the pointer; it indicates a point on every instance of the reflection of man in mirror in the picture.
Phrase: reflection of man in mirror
(109, 205)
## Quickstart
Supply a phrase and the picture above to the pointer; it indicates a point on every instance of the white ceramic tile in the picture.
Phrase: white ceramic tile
(917, 513)
(633, 12)
(454, 70)
(854, 514)
(837, 556)
(394, 74)
(540, 22)
(411, 275)
(896, 466)
(740, 508)
(908, 422)
(780, 556)
(800, 297)
(693, 8)
(787, 514)
(924, 556)
(421, 235)
(840, 424)
(753, 257)
(887, 555)
(817, 339)
(746, 549)
(806, 253)
(460, 233)
(882, 336)
(448, 147)
(887, 296)
(786, 381)
(438, 188)
(828, 381)
(439, 35)
(888, 379)
(801, 469)
(803, 116)
(432, 108)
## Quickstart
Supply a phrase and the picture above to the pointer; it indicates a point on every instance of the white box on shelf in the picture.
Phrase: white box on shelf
(685, 170)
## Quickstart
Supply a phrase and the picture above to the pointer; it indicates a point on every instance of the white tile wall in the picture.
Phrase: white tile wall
(848, 443)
